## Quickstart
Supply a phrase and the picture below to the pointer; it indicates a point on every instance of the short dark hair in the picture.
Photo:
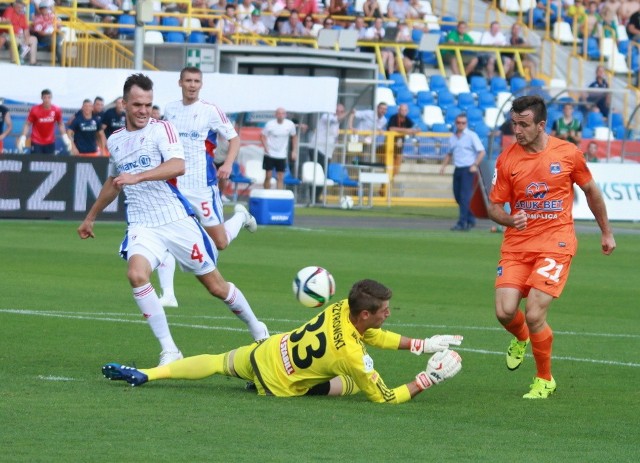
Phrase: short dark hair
(46, 91)
(533, 103)
(367, 295)
(155, 106)
(190, 70)
(98, 98)
(139, 80)
(86, 100)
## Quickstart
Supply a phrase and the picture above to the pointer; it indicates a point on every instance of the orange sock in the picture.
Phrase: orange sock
(518, 327)
(541, 344)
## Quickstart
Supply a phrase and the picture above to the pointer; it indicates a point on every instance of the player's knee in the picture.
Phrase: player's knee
(137, 278)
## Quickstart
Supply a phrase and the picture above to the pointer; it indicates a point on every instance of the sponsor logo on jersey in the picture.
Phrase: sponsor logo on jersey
(284, 355)
(143, 161)
(554, 168)
(368, 363)
(499, 271)
(537, 190)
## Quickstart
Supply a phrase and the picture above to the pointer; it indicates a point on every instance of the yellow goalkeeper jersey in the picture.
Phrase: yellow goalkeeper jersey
(327, 346)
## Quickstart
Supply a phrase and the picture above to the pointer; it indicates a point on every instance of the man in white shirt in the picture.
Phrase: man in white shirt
(194, 118)
(368, 120)
(275, 140)
(327, 134)
(496, 38)
(146, 157)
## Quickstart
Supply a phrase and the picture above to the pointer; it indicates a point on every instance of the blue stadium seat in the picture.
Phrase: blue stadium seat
(171, 21)
(595, 119)
(126, 20)
(448, 27)
(404, 95)
(475, 115)
(451, 114)
(237, 178)
(498, 84)
(486, 99)
(445, 98)
(587, 133)
(397, 78)
(478, 84)
(425, 97)
(437, 83)
(593, 49)
(466, 100)
(197, 37)
(174, 37)
(517, 84)
(616, 120)
(440, 127)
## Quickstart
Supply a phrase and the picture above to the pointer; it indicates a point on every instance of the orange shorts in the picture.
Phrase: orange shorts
(547, 272)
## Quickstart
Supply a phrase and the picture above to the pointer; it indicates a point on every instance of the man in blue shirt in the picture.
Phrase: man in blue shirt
(466, 151)
(85, 132)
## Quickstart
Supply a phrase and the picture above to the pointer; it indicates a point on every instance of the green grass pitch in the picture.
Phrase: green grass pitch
(66, 309)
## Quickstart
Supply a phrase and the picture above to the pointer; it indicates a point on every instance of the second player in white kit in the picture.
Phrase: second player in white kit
(193, 119)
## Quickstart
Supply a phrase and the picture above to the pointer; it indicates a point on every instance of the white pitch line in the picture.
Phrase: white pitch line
(115, 317)
(56, 378)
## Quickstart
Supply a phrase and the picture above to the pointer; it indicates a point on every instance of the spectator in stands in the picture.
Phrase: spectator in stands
(359, 24)
(338, 8)
(611, 5)
(368, 120)
(228, 22)
(44, 24)
(376, 33)
(470, 59)
(589, 25)
(327, 134)
(633, 27)
(219, 6)
(417, 9)
(156, 113)
(599, 101)
(26, 43)
(576, 13)
(293, 27)
(6, 125)
(609, 23)
(591, 155)
(566, 127)
(398, 10)
(492, 37)
(254, 24)
(309, 26)
(508, 59)
(626, 10)
(283, 10)
(306, 7)
(107, 5)
(404, 34)
(403, 126)
(113, 118)
(275, 138)
(371, 9)
(42, 120)
(85, 132)
(466, 151)
(244, 10)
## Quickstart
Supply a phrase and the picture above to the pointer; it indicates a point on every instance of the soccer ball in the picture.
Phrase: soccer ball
(314, 286)
(346, 202)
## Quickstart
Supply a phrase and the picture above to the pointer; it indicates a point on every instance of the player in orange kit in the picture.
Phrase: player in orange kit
(536, 176)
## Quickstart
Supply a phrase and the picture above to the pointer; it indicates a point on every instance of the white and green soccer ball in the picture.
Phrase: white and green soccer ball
(314, 286)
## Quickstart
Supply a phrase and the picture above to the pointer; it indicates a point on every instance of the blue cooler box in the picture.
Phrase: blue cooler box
(272, 207)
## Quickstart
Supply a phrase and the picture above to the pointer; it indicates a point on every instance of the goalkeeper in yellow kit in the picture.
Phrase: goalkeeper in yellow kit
(326, 356)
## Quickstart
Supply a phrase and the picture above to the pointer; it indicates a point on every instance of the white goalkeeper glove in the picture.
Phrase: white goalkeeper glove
(67, 142)
(435, 343)
(442, 365)
(20, 144)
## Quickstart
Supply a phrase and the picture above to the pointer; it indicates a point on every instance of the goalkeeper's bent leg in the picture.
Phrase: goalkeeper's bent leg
(343, 385)
(198, 367)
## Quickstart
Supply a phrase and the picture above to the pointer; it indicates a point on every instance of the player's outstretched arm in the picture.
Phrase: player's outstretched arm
(436, 343)
(169, 169)
(108, 193)
(599, 211)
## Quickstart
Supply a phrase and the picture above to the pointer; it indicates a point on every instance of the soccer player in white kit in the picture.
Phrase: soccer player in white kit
(194, 118)
(146, 157)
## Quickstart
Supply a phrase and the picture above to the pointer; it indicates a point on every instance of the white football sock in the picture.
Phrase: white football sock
(149, 304)
(234, 225)
(166, 270)
(239, 305)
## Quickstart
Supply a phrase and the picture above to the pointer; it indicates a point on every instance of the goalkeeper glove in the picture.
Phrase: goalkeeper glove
(22, 141)
(67, 141)
(442, 365)
(435, 343)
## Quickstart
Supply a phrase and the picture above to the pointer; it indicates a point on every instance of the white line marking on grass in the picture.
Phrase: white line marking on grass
(55, 378)
(572, 359)
(115, 317)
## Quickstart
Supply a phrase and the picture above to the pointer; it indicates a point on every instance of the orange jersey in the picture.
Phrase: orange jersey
(541, 184)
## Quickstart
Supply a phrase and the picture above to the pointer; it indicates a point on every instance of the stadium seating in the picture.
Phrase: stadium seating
(498, 84)
(595, 119)
(432, 114)
(602, 134)
(417, 82)
(153, 37)
(493, 118)
(445, 98)
(174, 37)
(466, 100)
(458, 84)
(385, 95)
(478, 84)
(425, 97)
(517, 84)
(339, 174)
(237, 178)
(451, 114)
(437, 83)
(197, 37)
(486, 99)
(126, 32)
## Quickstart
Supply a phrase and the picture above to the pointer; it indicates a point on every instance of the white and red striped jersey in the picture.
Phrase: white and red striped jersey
(156, 202)
(193, 123)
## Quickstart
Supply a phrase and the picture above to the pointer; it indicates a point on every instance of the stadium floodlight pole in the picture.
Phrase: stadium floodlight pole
(144, 13)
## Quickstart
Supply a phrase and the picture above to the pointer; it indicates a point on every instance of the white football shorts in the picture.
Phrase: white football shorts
(206, 203)
(189, 243)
